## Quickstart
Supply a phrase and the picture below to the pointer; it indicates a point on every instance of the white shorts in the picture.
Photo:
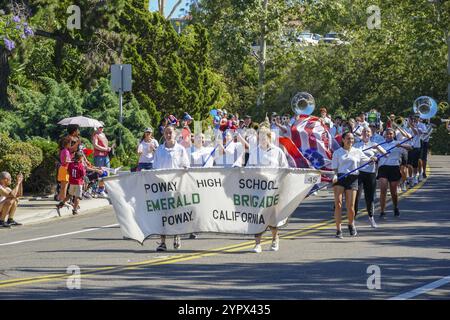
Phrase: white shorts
(76, 190)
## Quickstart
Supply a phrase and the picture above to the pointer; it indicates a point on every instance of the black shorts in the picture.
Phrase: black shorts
(391, 173)
(413, 157)
(350, 182)
(424, 149)
(404, 159)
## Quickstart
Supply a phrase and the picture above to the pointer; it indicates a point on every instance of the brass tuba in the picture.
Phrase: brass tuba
(426, 107)
(303, 103)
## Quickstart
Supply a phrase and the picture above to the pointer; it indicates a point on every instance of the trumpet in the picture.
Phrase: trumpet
(399, 121)
(397, 124)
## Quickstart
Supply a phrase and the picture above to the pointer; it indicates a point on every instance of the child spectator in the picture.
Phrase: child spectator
(63, 174)
(77, 172)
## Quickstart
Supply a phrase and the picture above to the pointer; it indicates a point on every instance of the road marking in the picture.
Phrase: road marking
(186, 257)
(57, 235)
(424, 289)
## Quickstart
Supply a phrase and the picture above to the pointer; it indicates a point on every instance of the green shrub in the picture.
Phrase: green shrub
(15, 164)
(29, 150)
(43, 178)
(440, 141)
(5, 144)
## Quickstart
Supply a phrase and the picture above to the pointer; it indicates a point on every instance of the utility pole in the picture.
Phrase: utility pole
(262, 56)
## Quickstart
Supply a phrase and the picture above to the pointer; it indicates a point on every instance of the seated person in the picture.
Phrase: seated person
(9, 198)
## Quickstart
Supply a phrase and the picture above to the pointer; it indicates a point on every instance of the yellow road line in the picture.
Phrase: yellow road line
(187, 257)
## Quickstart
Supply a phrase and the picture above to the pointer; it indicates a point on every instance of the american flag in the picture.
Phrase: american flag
(312, 137)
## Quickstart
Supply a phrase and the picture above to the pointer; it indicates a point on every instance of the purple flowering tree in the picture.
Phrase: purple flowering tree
(13, 30)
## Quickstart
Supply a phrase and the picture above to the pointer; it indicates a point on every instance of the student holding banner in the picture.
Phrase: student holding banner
(230, 155)
(170, 155)
(345, 160)
(267, 155)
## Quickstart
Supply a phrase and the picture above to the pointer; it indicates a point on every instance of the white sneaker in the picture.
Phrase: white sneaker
(176, 242)
(275, 245)
(373, 224)
(419, 178)
(257, 248)
(404, 187)
(415, 182)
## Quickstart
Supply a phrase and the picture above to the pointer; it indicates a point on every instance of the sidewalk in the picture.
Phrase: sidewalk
(39, 209)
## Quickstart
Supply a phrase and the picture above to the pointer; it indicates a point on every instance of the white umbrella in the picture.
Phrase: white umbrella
(81, 121)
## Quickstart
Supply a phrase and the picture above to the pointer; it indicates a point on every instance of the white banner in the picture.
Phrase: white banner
(224, 200)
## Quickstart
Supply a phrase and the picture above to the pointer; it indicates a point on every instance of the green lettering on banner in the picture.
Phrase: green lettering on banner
(186, 203)
(277, 198)
(237, 199)
(195, 198)
(261, 205)
(245, 200)
(149, 206)
(171, 202)
(155, 205)
(163, 204)
(255, 201)
(269, 201)
(179, 202)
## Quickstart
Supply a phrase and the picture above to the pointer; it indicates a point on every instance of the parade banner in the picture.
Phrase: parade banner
(221, 200)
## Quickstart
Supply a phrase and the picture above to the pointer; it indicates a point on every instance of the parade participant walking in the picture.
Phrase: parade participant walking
(199, 155)
(345, 160)
(230, 155)
(77, 172)
(367, 179)
(146, 150)
(389, 171)
(170, 155)
(9, 199)
(101, 148)
(267, 155)
(425, 144)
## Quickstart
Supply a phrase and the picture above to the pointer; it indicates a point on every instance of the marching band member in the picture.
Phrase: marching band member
(345, 160)
(230, 155)
(428, 128)
(389, 171)
(267, 155)
(375, 136)
(326, 117)
(414, 153)
(355, 128)
(367, 179)
(423, 129)
(401, 133)
(170, 155)
(200, 155)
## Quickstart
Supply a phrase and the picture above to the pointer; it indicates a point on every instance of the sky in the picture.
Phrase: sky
(169, 6)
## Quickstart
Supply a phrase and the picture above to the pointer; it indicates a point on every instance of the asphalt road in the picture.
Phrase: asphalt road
(410, 252)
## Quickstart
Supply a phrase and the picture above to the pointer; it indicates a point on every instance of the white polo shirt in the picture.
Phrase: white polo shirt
(231, 157)
(201, 157)
(370, 152)
(271, 157)
(346, 161)
(393, 158)
(171, 158)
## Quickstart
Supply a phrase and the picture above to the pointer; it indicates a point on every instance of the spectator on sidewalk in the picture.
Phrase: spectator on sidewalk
(9, 199)
(63, 174)
(101, 148)
(77, 172)
(146, 150)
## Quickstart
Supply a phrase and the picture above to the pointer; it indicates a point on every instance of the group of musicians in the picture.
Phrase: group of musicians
(396, 157)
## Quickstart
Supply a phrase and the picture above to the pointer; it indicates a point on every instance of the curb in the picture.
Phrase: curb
(38, 216)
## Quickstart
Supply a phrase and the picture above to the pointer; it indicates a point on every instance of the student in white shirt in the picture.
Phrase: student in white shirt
(389, 171)
(267, 155)
(146, 150)
(200, 156)
(345, 160)
(230, 155)
(428, 129)
(367, 179)
(414, 153)
(170, 155)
